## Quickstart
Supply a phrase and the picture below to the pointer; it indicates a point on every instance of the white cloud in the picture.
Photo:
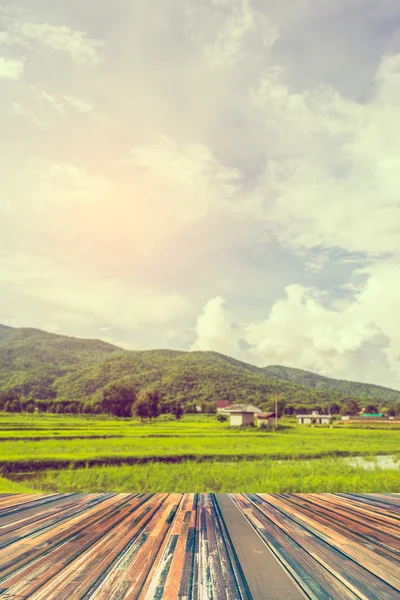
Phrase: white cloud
(64, 183)
(228, 30)
(56, 103)
(174, 185)
(301, 331)
(76, 44)
(333, 175)
(11, 68)
(64, 295)
(38, 107)
(214, 329)
(65, 106)
(356, 342)
(81, 105)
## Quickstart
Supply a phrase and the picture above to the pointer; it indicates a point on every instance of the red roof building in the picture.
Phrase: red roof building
(221, 404)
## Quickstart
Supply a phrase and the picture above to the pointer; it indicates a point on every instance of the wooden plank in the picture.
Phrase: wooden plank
(79, 576)
(316, 582)
(32, 523)
(381, 536)
(199, 546)
(381, 568)
(265, 577)
(215, 576)
(338, 575)
(127, 577)
(34, 560)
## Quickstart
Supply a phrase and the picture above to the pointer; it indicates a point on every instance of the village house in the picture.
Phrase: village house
(241, 414)
(221, 405)
(365, 415)
(314, 419)
(265, 419)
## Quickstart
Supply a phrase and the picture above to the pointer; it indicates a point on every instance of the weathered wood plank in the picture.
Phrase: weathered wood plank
(76, 579)
(33, 560)
(371, 562)
(339, 574)
(383, 537)
(317, 582)
(199, 546)
(264, 575)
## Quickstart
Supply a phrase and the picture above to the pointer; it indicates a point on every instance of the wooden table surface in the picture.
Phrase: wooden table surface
(200, 546)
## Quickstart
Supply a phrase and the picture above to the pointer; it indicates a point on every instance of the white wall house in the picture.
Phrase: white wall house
(314, 418)
(241, 414)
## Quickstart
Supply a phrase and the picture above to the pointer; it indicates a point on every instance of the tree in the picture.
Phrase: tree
(371, 409)
(154, 404)
(350, 408)
(141, 408)
(153, 401)
(190, 408)
(334, 408)
(15, 406)
(177, 410)
(208, 408)
(88, 408)
(118, 399)
(30, 406)
(9, 400)
(271, 403)
(45, 405)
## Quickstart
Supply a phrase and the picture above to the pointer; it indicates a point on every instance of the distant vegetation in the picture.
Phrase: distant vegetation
(45, 372)
(318, 382)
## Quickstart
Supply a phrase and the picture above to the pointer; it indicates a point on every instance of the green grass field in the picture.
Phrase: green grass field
(235, 458)
(319, 475)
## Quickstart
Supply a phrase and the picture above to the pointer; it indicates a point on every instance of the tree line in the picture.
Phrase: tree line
(118, 400)
(124, 400)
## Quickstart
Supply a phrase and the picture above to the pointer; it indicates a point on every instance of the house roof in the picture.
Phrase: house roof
(265, 415)
(243, 408)
(371, 415)
(222, 403)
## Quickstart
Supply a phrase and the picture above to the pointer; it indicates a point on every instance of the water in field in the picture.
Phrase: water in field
(372, 462)
(365, 462)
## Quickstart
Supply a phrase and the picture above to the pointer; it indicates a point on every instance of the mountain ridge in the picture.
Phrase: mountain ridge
(44, 365)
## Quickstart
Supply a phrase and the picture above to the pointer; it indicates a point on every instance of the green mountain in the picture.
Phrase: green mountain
(31, 359)
(4, 331)
(319, 382)
(49, 366)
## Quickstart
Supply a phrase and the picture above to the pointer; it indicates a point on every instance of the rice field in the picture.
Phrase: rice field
(96, 454)
(271, 476)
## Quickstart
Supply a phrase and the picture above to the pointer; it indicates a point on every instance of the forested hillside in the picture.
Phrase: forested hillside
(43, 366)
(31, 359)
(318, 382)
(186, 377)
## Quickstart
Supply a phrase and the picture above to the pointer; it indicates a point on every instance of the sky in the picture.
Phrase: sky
(205, 175)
